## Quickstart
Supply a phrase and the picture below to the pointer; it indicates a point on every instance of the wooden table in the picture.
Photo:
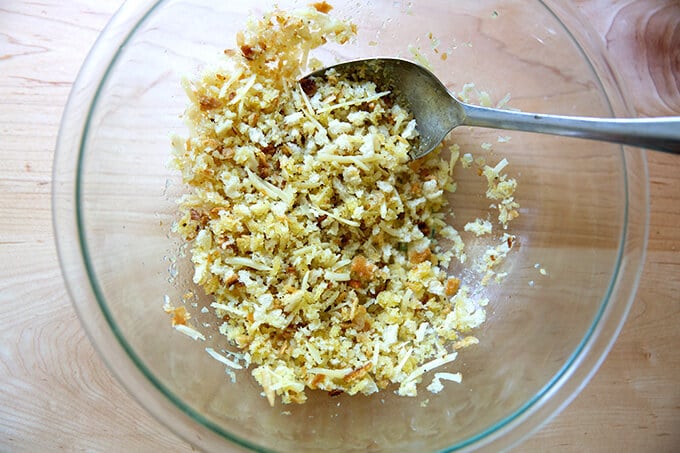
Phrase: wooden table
(55, 393)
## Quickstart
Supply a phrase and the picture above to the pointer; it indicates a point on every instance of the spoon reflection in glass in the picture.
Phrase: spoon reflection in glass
(437, 111)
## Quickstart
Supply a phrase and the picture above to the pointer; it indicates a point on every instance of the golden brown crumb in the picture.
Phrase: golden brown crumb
(362, 268)
(215, 212)
(233, 278)
(322, 7)
(316, 380)
(358, 373)
(198, 216)
(208, 103)
(356, 284)
(362, 320)
(263, 168)
(416, 257)
(248, 52)
(452, 285)
(179, 315)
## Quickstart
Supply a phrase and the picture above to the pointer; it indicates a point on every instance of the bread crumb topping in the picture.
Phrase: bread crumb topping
(324, 247)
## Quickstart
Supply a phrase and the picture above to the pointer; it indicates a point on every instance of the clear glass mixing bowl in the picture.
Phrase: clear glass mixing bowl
(583, 218)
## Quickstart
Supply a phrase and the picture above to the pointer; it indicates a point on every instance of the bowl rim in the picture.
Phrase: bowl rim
(134, 375)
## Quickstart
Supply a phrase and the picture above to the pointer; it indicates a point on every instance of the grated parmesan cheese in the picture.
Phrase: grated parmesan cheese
(190, 332)
(220, 358)
(436, 385)
(479, 227)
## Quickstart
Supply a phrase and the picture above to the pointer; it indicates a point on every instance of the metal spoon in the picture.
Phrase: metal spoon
(437, 112)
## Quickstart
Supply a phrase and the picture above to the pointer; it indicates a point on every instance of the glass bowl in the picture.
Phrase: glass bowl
(583, 219)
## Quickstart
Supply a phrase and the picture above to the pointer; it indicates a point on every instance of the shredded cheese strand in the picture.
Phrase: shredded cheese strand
(330, 108)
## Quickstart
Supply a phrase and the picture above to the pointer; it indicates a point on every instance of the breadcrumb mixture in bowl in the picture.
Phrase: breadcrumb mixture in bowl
(325, 247)
(291, 280)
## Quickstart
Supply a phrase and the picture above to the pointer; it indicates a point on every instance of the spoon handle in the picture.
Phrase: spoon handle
(662, 134)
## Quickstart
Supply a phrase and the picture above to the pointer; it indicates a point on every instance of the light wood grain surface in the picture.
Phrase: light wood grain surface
(56, 394)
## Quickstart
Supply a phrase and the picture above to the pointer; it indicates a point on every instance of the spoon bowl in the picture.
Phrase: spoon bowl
(437, 111)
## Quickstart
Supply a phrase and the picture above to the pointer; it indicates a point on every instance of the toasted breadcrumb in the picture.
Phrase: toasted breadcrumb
(326, 253)
(179, 314)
